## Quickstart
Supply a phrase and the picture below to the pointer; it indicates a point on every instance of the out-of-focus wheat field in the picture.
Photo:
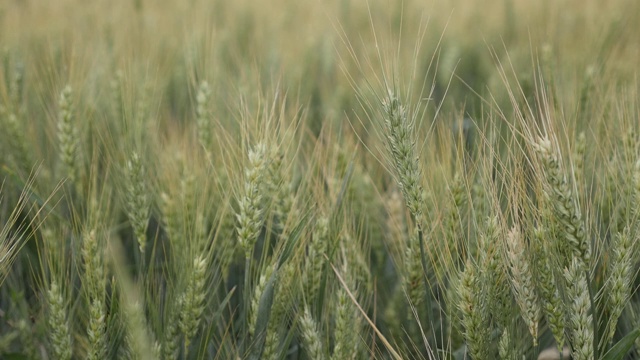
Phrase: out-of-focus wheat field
(319, 179)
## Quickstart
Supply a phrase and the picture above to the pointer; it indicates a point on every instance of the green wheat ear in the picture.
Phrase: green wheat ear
(282, 305)
(193, 299)
(413, 273)
(621, 275)
(517, 258)
(94, 283)
(97, 331)
(347, 327)
(60, 334)
(474, 307)
(257, 295)
(68, 134)
(550, 296)
(138, 202)
(316, 259)
(203, 116)
(579, 310)
(311, 336)
(564, 204)
(400, 136)
(250, 215)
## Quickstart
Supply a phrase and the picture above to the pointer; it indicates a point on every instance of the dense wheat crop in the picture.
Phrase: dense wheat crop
(334, 179)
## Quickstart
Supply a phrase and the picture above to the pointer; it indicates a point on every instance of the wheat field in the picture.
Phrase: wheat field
(323, 180)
